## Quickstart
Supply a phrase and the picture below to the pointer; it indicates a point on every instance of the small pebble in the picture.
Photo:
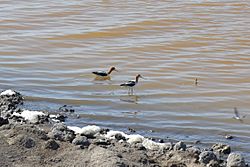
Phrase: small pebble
(161, 141)
(131, 130)
(66, 108)
(71, 110)
(151, 138)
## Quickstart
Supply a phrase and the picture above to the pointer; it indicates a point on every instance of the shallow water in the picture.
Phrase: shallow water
(49, 49)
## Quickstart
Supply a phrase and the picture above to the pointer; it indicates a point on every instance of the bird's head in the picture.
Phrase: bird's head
(138, 76)
(112, 69)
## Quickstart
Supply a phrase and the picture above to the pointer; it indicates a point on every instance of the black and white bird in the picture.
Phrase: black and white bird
(131, 84)
(103, 73)
(237, 115)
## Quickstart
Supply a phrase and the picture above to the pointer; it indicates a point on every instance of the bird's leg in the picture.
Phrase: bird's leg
(132, 90)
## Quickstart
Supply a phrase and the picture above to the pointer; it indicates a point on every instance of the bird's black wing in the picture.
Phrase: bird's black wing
(129, 83)
(100, 73)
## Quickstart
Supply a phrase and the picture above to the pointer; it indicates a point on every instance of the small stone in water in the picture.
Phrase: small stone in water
(229, 137)
(66, 108)
(197, 142)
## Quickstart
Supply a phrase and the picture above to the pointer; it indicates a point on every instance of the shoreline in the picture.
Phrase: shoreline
(34, 138)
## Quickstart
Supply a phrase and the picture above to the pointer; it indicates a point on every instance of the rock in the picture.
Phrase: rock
(194, 150)
(28, 142)
(16, 118)
(207, 149)
(3, 121)
(103, 157)
(90, 131)
(21, 139)
(135, 139)
(161, 141)
(235, 160)
(104, 141)
(180, 146)
(34, 117)
(207, 156)
(55, 160)
(213, 163)
(138, 146)
(9, 101)
(119, 137)
(60, 132)
(51, 144)
(58, 118)
(151, 145)
(8, 92)
(131, 130)
(104, 131)
(66, 108)
(40, 133)
(81, 140)
(221, 148)
(229, 137)
(176, 164)
(5, 127)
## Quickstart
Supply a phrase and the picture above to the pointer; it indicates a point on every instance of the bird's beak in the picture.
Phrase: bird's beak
(143, 77)
(116, 70)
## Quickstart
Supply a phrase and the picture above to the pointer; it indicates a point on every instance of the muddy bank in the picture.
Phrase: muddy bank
(35, 138)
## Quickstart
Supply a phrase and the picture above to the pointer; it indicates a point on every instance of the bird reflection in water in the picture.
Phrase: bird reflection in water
(101, 78)
(237, 115)
(131, 113)
(130, 99)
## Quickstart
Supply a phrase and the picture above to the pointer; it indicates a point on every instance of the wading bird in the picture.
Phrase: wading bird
(131, 84)
(237, 115)
(196, 81)
(103, 73)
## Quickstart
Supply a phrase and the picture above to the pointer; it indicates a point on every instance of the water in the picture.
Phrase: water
(49, 49)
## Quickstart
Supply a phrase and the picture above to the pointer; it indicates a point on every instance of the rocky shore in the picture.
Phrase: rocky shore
(34, 138)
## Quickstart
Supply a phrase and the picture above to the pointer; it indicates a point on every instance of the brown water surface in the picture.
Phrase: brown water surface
(48, 50)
